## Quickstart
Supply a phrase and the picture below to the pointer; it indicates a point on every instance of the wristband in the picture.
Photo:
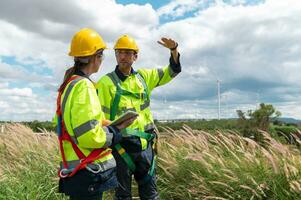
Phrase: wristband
(174, 48)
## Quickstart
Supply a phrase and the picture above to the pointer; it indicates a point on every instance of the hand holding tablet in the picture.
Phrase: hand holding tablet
(125, 119)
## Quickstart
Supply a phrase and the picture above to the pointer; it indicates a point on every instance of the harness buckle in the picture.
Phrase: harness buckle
(64, 173)
(94, 171)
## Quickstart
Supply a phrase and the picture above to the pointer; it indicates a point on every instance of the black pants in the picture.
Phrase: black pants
(95, 197)
(87, 185)
(143, 160)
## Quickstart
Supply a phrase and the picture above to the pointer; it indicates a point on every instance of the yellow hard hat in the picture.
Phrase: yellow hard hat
(126, 42)
(85, 43)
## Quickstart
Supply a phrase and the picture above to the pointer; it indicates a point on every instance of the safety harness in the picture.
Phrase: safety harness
(63, 135)
(128, 131)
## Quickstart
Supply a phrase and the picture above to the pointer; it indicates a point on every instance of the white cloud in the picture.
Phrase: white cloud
(20, 104)
(252, 49)
(291, 108)
(24, 92)
(3, 105)
(179, 7)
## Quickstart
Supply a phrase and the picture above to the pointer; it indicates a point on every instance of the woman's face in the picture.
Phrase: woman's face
(98, 60)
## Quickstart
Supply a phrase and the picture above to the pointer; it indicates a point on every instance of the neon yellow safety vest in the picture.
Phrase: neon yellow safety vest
(136, 90)
(83, 121)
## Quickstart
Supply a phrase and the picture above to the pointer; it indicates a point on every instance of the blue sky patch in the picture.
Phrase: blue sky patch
(33, 66)
(24, 84)
(155, 4)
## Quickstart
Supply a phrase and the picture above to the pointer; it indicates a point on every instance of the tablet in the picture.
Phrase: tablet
(125, 116)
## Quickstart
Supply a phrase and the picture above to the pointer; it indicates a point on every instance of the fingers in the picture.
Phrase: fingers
(164, 40)
(167, 42)
(106, 122)
(126, 123)
(161, 43)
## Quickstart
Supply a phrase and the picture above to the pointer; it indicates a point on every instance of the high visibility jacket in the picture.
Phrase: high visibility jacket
(83, 121)
(139, 100)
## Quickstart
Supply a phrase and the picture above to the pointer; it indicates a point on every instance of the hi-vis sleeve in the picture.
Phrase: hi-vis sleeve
(83, 116)
(106, 93)
(161, 76)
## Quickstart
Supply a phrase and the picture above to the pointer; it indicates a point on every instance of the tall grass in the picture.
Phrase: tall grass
(192, 165)
(28, 164)
(198, 165)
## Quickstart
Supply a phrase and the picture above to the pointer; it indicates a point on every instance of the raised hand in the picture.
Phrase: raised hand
(172, 45)
(168, 43)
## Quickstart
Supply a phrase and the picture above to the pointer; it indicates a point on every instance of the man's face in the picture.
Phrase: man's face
(125, 58)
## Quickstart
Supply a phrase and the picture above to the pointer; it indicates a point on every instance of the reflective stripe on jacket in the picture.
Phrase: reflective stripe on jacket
(83, 117)
(152, 78)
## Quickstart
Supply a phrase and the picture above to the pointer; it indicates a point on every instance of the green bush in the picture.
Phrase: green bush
(285, 132)
(38, 126)
(206, 125)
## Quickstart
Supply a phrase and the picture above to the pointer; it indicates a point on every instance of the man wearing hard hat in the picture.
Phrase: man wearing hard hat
(125, 89)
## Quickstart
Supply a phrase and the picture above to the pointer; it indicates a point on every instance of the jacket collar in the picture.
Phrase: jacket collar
(81, 73)
(121, 76)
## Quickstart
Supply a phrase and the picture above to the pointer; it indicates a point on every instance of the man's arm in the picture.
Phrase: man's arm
(161, 76)
(174, 61)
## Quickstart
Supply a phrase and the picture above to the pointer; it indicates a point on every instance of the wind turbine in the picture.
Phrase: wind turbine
(218, 81)
(219, 97)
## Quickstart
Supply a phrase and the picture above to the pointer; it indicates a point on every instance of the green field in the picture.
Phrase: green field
(192, 164)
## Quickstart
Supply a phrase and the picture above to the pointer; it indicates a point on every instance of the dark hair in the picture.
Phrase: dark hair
(79, 63)
(68, 74)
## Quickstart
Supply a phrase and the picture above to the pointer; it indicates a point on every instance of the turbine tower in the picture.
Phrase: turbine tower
(219, 98)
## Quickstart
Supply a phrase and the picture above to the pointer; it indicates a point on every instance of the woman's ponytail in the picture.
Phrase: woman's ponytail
(68, 74)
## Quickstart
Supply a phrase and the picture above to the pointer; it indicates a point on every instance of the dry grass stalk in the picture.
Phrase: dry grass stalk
(213, 197)
(295, 186)
(271, 159)
(222, 184)
(258, 186)
(250, 189)
(290, 170)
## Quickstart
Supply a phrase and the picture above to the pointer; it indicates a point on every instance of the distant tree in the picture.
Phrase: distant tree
(262, 117)
(259, 119)
(38, 126)
(241, 115)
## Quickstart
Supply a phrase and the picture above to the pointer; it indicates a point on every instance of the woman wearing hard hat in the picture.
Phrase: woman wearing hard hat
(87, 166)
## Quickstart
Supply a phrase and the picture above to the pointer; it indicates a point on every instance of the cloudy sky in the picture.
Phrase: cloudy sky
(252, 46)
